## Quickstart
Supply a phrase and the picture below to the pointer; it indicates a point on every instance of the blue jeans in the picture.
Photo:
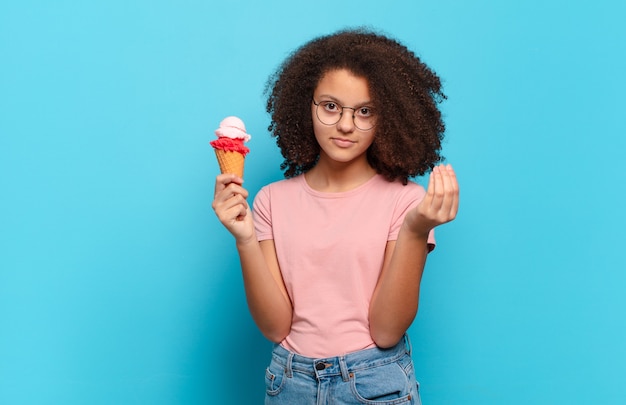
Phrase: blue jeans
(372, 376)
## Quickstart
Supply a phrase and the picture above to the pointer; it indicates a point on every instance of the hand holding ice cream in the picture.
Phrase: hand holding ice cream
(229, 147)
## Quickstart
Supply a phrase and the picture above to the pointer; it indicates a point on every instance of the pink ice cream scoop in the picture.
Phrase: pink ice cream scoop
(231, 136)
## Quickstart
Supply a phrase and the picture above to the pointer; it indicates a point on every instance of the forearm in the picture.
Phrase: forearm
(267, 298)
(396, 298)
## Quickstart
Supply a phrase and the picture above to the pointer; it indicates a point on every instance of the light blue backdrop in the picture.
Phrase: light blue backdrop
(119, 286)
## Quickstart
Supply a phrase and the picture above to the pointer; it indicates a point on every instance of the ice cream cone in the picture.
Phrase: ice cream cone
(230, 162)
(229, 146)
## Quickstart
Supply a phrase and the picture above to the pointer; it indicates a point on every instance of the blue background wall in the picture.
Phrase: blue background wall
(119, 286)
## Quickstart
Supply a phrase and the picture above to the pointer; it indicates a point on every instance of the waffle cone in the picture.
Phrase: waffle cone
(230, 162)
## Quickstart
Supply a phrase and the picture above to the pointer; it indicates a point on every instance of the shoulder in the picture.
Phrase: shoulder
(279, 188)
(276, 199)
(283, 185)
(397, 196)
(411, 189)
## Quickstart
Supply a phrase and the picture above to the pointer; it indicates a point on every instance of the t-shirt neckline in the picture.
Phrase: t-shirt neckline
(340, 194)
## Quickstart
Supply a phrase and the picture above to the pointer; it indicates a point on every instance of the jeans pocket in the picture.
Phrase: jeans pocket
(383, 385)
(274, 377)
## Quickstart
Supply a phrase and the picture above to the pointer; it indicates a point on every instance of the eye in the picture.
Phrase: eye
(330, 106)
(365, 112)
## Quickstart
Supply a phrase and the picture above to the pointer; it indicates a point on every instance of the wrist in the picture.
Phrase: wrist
(415, 232)
(243, 243)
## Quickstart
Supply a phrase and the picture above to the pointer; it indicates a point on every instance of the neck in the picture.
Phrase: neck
(338, 177)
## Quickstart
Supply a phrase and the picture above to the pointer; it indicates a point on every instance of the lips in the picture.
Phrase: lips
(342, 142)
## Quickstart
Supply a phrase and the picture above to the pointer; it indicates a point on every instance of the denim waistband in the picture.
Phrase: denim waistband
(340, 365)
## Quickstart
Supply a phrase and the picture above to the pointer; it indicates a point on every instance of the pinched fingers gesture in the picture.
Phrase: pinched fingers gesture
(441, 202)
(231, 207)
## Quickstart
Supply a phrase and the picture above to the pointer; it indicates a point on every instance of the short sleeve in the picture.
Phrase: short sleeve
(262, 214)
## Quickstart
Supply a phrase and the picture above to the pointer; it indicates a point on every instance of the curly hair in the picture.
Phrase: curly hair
(404, 91)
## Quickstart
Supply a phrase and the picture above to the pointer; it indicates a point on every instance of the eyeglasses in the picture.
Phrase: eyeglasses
(330, 112)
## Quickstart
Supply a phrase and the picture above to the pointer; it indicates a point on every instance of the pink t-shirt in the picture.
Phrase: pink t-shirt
(330, 248)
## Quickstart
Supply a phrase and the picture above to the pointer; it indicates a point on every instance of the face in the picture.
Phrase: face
(342, 142)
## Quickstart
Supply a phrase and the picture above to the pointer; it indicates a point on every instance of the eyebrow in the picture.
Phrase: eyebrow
(326, 97)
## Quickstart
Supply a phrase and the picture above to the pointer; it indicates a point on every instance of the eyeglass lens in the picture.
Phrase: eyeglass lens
(329, 113)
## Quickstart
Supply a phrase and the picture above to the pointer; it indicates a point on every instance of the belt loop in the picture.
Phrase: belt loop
(407, 343)
(345, 375)
(288, 370)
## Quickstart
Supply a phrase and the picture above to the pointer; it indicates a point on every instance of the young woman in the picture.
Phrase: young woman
(332, 257)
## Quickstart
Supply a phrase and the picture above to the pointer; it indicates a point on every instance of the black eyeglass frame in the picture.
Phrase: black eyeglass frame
(354, 109)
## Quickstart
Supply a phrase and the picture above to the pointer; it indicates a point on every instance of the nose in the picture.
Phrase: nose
(346, 121)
